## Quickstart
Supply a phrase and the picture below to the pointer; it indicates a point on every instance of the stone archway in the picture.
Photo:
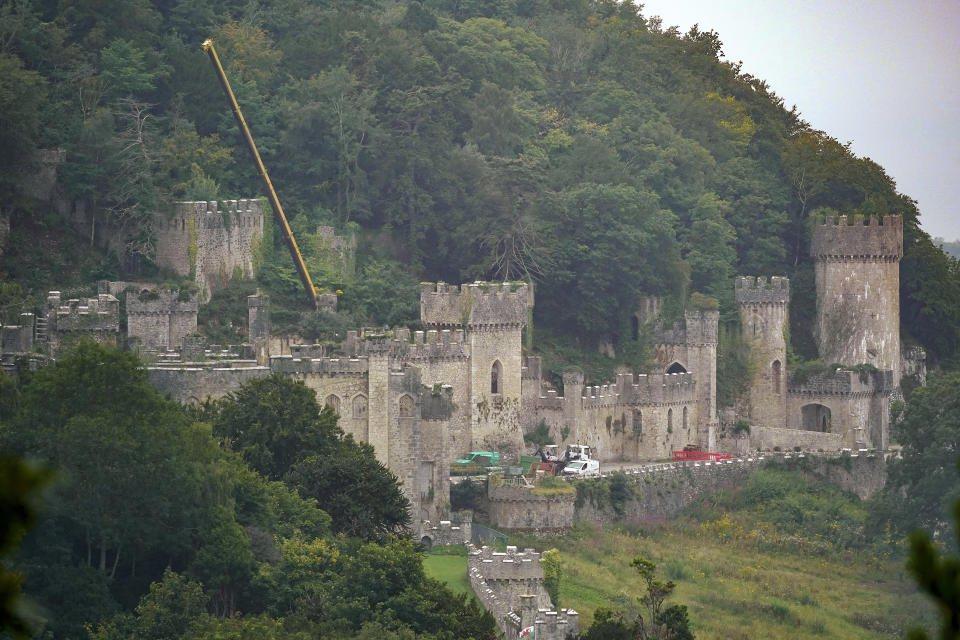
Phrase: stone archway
(676, 367)
(816, 417)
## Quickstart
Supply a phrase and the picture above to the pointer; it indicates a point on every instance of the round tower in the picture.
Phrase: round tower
(763, 319)
(858, 290)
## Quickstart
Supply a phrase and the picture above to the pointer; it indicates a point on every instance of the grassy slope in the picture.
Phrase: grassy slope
(737, 592)
(732, 591)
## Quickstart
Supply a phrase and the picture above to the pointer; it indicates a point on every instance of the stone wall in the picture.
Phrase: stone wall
(210, 241)
(160, 319)
(858, 290)
(194, 384)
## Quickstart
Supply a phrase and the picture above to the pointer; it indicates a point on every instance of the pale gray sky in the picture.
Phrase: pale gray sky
(882, 74)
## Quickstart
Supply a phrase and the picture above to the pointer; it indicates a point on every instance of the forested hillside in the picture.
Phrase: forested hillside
(583, 145)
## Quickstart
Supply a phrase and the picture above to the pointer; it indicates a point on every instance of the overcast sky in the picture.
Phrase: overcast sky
(882, 74)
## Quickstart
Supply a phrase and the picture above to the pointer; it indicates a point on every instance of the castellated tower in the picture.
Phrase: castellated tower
(763, 318)
(493, 315)
(211, 242)
(858, 290)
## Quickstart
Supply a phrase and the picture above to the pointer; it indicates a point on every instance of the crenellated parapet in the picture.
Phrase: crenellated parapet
(757, 291)
(162, 302)
(509, 565)
(474, 305)
(653, 388)
(857, 238)
(83, 315)
(844, 382)
(288, 365)
(210, 214)
(402, 344)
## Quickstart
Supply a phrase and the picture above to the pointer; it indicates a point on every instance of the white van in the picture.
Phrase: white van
(582, 468)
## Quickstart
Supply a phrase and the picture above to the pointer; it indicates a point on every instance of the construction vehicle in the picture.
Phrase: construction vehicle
(278, 215)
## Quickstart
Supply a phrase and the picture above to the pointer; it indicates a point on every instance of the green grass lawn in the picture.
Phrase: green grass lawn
(451, 569)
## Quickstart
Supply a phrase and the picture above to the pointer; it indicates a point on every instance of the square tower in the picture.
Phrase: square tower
(858, 290)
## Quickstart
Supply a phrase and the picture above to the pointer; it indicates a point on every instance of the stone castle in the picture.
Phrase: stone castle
(424, 398)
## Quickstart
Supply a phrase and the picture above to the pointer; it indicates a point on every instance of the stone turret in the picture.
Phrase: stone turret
(763, 320)
(858, 290)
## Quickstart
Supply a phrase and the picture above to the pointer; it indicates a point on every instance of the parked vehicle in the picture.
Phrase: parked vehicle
(582, 468)
(476, 462)
(578, 452)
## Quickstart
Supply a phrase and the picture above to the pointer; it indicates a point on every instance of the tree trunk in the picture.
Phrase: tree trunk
(116, 561)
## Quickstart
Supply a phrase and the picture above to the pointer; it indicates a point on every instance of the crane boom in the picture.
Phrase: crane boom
(271, 194)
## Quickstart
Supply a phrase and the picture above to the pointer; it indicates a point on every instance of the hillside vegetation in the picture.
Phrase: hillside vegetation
(583, 145)
(784, 557)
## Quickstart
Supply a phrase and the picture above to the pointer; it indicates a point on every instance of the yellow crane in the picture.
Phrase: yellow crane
(271, 194)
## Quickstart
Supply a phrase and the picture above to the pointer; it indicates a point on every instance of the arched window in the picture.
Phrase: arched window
(333, 401)
(776, 371)
(670, 420)
(676, 367)
(360, 406)
(685, 425)
(638, 423)
(406, 406)
(496, 377)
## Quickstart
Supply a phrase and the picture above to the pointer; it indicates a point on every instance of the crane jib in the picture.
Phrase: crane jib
(262, 170)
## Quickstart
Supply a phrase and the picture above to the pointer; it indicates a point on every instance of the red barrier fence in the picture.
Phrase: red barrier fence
(700, 455)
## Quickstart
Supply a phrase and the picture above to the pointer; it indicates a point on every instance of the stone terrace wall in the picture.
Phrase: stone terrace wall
(664, 490)
(519, 509)
(196, 384)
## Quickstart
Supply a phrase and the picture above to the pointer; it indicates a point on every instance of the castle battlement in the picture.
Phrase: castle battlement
(478, 304)
(653, 388)
(750, 290)
(244, 212)
(443, 344)
(844, 382)
(331, 366)
(857, 238)
(509, 565)
(162, 302)
(100, 314)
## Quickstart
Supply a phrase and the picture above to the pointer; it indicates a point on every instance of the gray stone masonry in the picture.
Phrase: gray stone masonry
(474, 305)
(210, 240)
(18, 339)
(750, 290)
(510, 586)
(95, 318)
(160, 318)
(858, 238)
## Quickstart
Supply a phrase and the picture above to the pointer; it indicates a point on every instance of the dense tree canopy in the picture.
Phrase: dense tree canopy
(147, 503)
